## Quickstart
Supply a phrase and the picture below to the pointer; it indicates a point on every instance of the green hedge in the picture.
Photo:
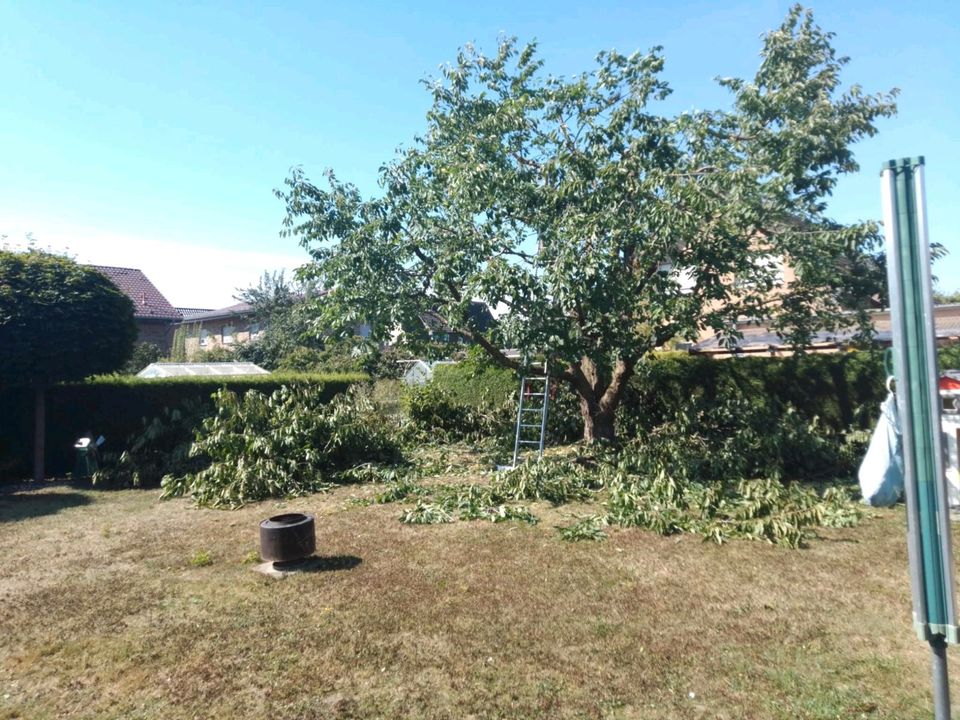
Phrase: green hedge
(476, 384)
(841, 389)
(116, 406)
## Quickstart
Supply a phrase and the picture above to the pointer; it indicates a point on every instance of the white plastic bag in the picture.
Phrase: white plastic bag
(881, 472)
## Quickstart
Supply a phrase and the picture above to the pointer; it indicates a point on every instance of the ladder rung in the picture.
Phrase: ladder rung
(535, 409)
(536, 377)
(528, 425)
(529, 442)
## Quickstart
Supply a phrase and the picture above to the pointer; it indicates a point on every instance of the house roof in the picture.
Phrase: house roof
(148, 302)
(191, 313)
(760, 338)
(231, 311)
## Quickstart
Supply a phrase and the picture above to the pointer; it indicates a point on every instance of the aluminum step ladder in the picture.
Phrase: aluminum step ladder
(532, 414)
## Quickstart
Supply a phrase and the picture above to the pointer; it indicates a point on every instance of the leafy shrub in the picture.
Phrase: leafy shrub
(161, 448)
(480, 399)
(119, 406)
(949, 357)
(761, 509)
(214, 354)
(432, 410)
(143, 354)
(285, 444)
(713, 470)
(308, 359)
(839, 392)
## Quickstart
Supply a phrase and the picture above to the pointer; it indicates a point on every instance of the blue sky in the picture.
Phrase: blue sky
(153, 134)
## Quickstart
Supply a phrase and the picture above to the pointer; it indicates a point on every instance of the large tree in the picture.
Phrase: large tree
(59, 321)
(278, 307)
(602, 227)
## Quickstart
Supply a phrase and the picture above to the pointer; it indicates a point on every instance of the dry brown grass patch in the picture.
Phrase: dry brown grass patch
(104, 615)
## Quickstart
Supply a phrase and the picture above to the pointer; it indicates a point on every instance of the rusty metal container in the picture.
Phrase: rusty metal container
(288, 538)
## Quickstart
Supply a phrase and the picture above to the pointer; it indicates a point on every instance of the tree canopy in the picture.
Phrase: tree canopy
(278, 307)
(601, 226)
(59, 320)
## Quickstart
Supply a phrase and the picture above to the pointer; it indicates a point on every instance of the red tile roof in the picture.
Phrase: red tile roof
(148, 302)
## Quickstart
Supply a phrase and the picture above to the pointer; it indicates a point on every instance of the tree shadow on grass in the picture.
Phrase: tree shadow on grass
(22, 506)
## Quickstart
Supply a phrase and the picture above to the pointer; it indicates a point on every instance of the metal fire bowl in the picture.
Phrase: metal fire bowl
(288, 538)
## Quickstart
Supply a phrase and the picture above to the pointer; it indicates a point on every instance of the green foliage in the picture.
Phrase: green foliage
(722, 466)
(556, 481)
(59, 321)
(215, 354)
(682, 479)
(586, 528)
(757, 509)
(201, 558)
(445, 503)
(476, 381)
(399, 489)
(143, 354)
(287, 340)
(840, 389)
(433, 411)
(161, 448)
(305, 359)
(178, 347)
(426, 514)
(817, 404)
(286, 444)
(741, 437)
(949, 357)
(577, 202)
(121, 406)
(946, 298)
(474, 399)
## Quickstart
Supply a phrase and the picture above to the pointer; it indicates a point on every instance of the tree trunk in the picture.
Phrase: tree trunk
(597, 423)
(599, 397)
(39, 431)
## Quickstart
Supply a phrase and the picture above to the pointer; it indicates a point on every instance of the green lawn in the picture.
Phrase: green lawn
(107, 613)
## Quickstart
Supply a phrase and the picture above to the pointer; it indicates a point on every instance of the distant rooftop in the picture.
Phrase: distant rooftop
(148, 302)
(191, 313)
(226, 312)
(162, 370)
(758, 337)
